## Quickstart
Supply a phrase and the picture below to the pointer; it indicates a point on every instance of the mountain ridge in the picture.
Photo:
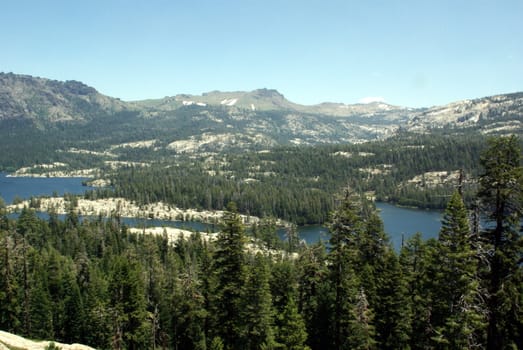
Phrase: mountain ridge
(263, 99)
(258, 114)
(42, 99)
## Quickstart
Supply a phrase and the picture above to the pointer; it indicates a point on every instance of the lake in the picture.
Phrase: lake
(400, 223)
(25, 187)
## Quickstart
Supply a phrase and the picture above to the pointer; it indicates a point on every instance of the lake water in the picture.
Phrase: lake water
(399, 223)
(402, 223)
(25, 187)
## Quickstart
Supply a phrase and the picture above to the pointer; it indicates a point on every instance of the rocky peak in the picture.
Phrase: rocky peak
(46, 100)
(267, 93)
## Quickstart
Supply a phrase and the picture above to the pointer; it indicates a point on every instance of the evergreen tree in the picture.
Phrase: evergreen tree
(128, 304)
(415, 260)
(361, 328)
(458, 314)
(314, 295)
(291, 332)
(99, 318)
(392, 308)
(257, 306)
(290, 326)
(266, 232)
(216, 344)
(40, 313)
(9, 305)
(283, 282)
(189, 310)
(292, 237)
(346, 227)
(169, 304)
(501, 194)
(229, 267)
(382, 281)
(74, 312)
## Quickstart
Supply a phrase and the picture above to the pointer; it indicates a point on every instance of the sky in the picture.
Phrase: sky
(415, 53)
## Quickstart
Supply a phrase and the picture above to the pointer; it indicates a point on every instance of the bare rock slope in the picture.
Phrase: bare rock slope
(12, 341)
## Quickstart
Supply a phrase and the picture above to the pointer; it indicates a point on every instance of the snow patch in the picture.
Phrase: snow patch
(229, 101)
(192, 103)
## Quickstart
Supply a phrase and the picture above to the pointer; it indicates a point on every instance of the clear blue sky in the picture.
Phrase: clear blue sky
(408, 52)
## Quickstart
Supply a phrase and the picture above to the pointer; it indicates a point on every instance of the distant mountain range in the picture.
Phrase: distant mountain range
(45, 100)
(264, 116)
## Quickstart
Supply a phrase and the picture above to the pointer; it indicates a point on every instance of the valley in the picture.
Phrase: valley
(166, 223)
(240, 145)
(248, 175)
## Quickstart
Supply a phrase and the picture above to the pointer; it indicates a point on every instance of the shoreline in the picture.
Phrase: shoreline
(174, 234)
(122, 207)
(159, 211)
(85, 173)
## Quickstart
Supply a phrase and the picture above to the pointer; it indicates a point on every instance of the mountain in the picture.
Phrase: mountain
(218, 121)
(257, 100)
(268, 100)
(489, 115)
(45, 100)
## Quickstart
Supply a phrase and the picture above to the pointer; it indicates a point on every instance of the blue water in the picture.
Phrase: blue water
(25, 187)
(399, 223)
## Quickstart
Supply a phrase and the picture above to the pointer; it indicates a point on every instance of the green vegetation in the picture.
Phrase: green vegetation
(294, 183)
(297, 184)
(277, 159)
(93, 282)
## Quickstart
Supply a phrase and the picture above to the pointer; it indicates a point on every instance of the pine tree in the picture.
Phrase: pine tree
(169, 304)
(128, 304)
(291, 332)
(501, 194)
(257, 311)
(361, 329)
(346, 227)
(283, 282)
(9, 305)
(74, 312)
(99, 318)
(382, 280)
(415, 260)
(292, 237)
(40, 313)
(315, 295)
(459, 314)
(392, 308)
(189, 311)
(229, 267)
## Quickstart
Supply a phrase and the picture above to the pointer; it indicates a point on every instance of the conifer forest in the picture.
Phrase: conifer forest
(91, 281)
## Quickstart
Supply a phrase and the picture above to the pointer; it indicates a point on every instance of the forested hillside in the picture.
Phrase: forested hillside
(297, 184)
(269, 155)
(43, 120)
(93, 282)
